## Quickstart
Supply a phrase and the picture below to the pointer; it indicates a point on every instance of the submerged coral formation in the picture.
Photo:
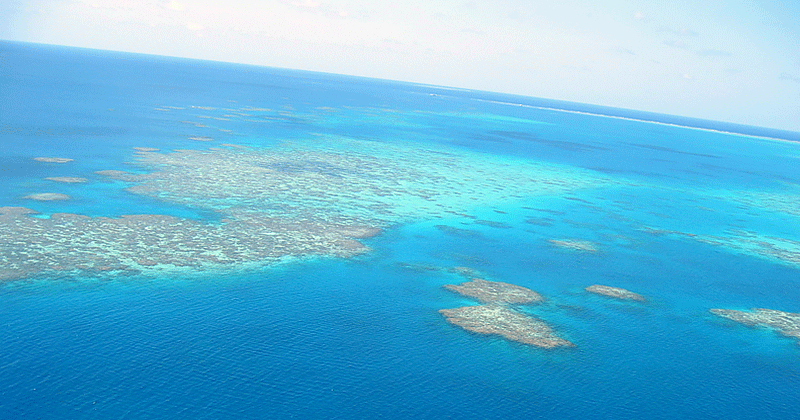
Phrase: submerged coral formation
(787, 323)
(47, 197)
(783, 250)
(291, 200)
(372, 180)
(495, 292)
(89, 245)
(67, 179)
(574, 244)
(52, 159)
(497, 317)
(614, 292)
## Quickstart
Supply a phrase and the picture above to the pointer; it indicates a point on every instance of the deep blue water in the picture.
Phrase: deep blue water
(361, 337)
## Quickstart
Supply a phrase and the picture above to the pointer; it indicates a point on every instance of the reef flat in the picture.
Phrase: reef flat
(317, 198)
(786, 323)
(495, 292)
(347, 177)
(614, 292)
(76, 244)
(499, 319)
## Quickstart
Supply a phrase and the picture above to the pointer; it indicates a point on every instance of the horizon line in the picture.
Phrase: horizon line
(780, 134)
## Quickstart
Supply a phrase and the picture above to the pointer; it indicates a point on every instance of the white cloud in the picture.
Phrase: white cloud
(176, 6)
(308, 3)
(573, 50)
(680, 32)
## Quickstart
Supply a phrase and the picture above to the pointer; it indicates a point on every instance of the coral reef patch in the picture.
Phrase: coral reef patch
(320, 197)
(52, 159)
(786, 323)
(495, 292)
(47, 197)
(497, 317)
(614, 292)
(574, 244)
(67, 179)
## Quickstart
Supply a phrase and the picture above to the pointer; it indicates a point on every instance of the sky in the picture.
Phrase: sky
(726, 60)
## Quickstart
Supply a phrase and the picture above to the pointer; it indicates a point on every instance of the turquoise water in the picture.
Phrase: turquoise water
(691, 219)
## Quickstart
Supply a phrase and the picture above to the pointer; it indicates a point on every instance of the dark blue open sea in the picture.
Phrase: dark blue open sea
(238, 290)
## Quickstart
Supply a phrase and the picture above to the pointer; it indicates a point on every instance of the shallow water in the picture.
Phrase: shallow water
(217, 327)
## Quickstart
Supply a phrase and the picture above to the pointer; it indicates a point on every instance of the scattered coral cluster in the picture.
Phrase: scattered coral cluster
(291, 200)
(497, 317)
(319, 196)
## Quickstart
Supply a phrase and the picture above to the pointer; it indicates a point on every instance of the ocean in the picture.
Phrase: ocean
(205, 240)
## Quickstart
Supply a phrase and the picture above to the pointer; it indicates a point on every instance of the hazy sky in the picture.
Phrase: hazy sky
(731, 60)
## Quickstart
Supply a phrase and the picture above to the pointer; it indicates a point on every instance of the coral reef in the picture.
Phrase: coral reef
(497, 317)
(314, 198)
(495, 292)
(47, 197)
(52, 159)
(786, 323)
(67, 179)
(574, 244)
(614, 292)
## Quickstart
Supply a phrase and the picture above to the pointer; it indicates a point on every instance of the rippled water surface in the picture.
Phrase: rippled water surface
(209, 240)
